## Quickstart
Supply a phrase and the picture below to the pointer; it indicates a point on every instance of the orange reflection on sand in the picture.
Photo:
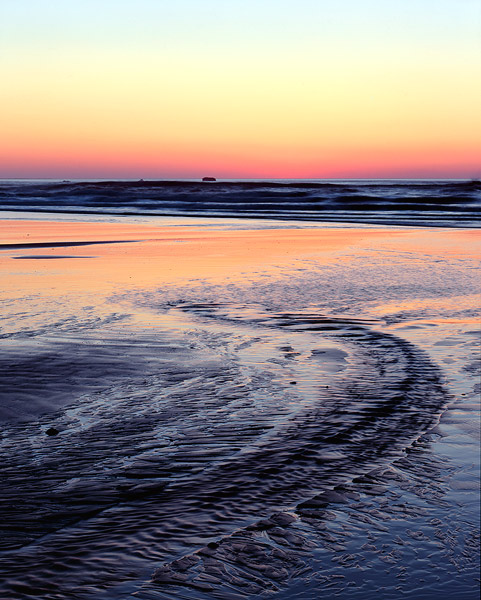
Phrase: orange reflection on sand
(155, 255)
(159, 255)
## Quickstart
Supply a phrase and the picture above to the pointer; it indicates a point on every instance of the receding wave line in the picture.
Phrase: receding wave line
(58, 244)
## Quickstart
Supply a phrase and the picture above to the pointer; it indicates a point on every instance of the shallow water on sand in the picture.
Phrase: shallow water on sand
(273, 434)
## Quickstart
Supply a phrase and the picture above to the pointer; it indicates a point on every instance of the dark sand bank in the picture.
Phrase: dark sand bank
(223, 412)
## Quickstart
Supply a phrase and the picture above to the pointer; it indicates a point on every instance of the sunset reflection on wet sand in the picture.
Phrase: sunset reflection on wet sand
(218, 409)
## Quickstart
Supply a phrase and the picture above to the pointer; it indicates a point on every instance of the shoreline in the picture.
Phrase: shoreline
(426, 223)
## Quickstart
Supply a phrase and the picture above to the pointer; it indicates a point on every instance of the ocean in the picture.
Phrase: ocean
(442, 203)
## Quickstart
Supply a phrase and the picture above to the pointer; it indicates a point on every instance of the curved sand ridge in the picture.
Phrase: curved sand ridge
(115, 490)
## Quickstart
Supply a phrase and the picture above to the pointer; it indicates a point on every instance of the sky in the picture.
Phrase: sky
(250, 88)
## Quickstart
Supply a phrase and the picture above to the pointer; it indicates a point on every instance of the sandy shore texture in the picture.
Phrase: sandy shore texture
(199, 409)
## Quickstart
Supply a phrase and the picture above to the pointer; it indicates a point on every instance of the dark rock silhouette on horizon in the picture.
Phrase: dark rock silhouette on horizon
(209, 179)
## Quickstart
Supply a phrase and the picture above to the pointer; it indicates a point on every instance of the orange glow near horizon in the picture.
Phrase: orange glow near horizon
(70, 160)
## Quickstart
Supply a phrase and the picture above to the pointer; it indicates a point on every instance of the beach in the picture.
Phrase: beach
(214, 408)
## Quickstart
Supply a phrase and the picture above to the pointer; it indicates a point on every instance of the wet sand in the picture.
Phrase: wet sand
(336, 377)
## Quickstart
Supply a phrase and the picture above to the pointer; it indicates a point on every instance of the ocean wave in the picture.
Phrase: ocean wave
(446, 203)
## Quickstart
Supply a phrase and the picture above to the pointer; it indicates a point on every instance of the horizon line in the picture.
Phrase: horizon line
(217, 179)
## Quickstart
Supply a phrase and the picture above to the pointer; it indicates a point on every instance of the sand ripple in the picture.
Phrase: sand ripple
(204, 461)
